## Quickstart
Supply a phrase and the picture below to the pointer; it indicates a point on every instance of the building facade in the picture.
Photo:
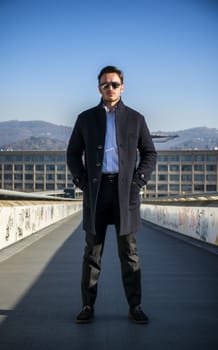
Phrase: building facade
(177, 172)
(181, 172)
(33, 171)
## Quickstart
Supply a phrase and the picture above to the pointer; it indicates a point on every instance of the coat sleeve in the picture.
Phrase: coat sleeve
(147, 155)
(75, 152)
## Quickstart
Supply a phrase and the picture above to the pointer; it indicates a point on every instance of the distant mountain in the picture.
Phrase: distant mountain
(194, 138)
(13, 131)
(32, 135)
(36, 144)
(40, 135)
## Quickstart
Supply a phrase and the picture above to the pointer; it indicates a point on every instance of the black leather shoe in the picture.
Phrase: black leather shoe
(86, 315)
(136, 315)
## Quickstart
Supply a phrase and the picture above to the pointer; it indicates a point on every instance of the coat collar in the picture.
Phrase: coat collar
(120, 105)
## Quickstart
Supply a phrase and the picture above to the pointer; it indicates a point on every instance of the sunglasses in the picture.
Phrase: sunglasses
(114, 85)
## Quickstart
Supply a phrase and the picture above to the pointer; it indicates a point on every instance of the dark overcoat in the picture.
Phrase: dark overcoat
(137, 158)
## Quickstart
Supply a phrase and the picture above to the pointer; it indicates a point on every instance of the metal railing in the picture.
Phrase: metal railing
(192, 197)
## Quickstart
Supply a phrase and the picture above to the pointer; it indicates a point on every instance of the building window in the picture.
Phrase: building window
(186, 167)
(28, 158)
(40, 177)
(28, 167)
(61, 167)
(211, 188)
(210, 157)
(186, 158)
(61, 177)
(61, 158)
(211, 177)
(186, 188)
(174, 167)
(8, 167)
(199, 157)
(153, 177)
(39, 167)
(198, 177)
(29, 186)
(60, 186)
(162, 167)
(39, 158)
(8, 159)
(50, 177)
(8, 177)
(29, 177)
(18, 158)
(211, 167)
(39, 186)
(174, 177)
(151, 187)
(198, 167)
(199, 188)
(50, 167)
(173, 158)
(163, 187)
(8, 186)
(18, 176)
(50, 186)
(162, 177)
(174, 187)
(18, 186)
(186, 177)
(50, 158)
(69, 177)
(18, 167)
(162, 158)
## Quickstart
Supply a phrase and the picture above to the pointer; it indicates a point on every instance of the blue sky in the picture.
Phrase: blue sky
(52, 52)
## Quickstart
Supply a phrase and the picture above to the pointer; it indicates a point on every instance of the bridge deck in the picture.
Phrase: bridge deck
(40, 295)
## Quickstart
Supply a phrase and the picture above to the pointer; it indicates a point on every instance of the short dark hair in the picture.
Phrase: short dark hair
(111, 69)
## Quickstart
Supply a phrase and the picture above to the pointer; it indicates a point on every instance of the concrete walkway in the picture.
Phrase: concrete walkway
(40, 295)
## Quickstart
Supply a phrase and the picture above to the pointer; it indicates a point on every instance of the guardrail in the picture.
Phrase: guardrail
(23, 214)
(50, 195)
(195, 215)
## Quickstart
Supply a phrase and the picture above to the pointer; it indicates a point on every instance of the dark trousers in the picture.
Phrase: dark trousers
(107, 212)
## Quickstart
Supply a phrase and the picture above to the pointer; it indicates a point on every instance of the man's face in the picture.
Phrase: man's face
(110, 87)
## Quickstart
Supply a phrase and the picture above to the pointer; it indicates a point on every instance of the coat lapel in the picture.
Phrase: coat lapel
(121, 124)
(100, 117)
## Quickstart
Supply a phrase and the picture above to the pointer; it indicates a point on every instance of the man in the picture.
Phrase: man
(102, 156)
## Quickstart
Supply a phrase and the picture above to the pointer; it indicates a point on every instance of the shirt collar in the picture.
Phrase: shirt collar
(109, 110)
(119, 105)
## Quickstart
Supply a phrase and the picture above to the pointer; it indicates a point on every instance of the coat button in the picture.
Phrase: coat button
(98, 164)
(99, 146)
(95, 180)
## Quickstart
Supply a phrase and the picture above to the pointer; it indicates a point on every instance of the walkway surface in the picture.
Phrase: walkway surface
(40, 295)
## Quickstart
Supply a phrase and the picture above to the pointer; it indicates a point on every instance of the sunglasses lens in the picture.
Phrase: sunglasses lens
(114, 85)
(105, 85)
